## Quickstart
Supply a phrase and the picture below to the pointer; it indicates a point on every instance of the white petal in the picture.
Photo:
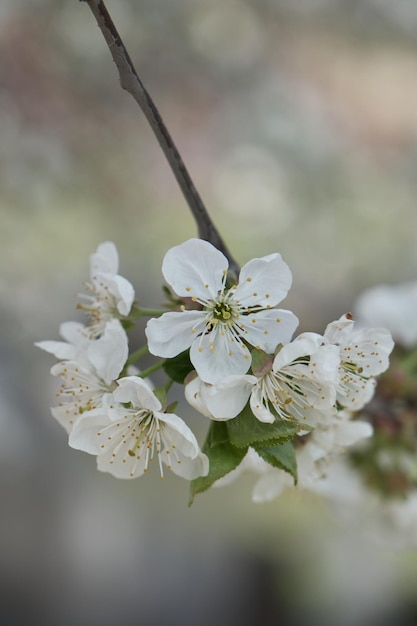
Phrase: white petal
(65, 416)
(109, 353)
(324, 364)
(355, 391)
(264, 282)
(84, 435)
(121, 289)
(303, 345)
(226, 400)
(135, 390)
(181, 452)
(338, 332)
(195, 269)
(73, 332)
(370, 349)
(76, 340)
(60, 349)
(177, 434)
(348, 433)
(258, 408)
(121, 464)
(192, 392)
(266, 329)
(172, 333)
(105, 259)
(271, 484)
(219, 356)
(190, 468)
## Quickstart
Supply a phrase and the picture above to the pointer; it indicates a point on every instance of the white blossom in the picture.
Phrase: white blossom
(300, 384)
(229, 317)
(364, 354)
(128, 434)
(88, 382)
(111, 295)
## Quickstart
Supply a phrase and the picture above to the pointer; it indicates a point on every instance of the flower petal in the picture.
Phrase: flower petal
(222, 401)
(105, 259)
(84, 434)
(192, 392)
(190, 468)
(178, 435)
(135, 390)
(75, 341)
(118, 462)
(109, 353)
(339, 331)
(271, 484)
(266, 329)
(263, 282)
(195, 268)
(303, 345)
(370, 349)
(173, 332)
(215, 360)
(259, 409)
(348, 433)
(120, 288)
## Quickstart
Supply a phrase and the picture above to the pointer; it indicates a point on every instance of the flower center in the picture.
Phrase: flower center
(224, 310)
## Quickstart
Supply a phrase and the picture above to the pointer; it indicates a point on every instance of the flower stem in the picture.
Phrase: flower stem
(139, 311)
(138, 354)
(168, 384)
(150, 370)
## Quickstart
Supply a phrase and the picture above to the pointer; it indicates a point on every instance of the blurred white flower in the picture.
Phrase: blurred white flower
(112, 294)
(229, 317)
(364, 354)
(88, 381)
(394, 307)
(316, 453)
(127, 435)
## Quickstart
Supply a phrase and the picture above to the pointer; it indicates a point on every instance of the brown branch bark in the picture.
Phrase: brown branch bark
(130, 81)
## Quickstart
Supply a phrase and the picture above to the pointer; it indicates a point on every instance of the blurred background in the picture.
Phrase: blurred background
(298, 122)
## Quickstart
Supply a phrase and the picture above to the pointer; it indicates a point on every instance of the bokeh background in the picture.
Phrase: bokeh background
(298, 121)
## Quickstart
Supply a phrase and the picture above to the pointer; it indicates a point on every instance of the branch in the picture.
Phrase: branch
(130, 81)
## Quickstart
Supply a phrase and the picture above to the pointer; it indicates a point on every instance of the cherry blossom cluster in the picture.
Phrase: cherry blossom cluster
(281, 405)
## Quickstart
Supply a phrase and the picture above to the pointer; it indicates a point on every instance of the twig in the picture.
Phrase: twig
(130, 81)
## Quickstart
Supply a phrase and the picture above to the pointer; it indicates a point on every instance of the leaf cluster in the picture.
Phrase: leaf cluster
(227, 443)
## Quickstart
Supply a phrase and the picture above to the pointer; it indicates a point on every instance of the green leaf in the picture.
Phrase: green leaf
(217, 435)
(281, 456)
(245, 429)
(178, 367)
(223, 458)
